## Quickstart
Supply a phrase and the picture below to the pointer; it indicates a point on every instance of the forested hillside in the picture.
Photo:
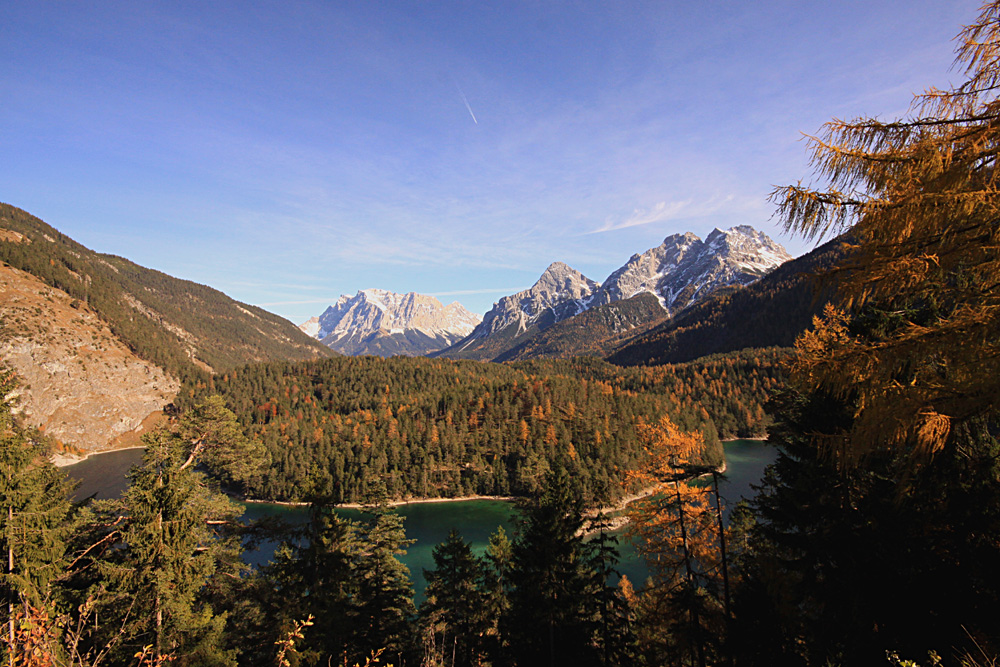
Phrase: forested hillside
(442, 428)
(770, 312)
(183, 327)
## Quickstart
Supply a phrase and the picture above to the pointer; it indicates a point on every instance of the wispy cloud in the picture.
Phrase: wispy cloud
(687, 208)
(658, 213)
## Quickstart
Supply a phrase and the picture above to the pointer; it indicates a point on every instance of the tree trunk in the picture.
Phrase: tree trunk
(722, 545)
(10, 571)
(158, 601)
(693, 611)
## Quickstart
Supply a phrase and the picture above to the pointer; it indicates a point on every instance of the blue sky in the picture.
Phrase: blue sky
(289, 152)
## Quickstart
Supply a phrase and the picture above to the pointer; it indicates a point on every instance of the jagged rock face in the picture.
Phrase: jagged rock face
(560, 289)
(384, 323)
(79, 383)
(684, 269)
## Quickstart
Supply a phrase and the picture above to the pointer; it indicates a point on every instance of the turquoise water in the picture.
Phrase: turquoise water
(427, 523)
(430, 523)
(745, 463)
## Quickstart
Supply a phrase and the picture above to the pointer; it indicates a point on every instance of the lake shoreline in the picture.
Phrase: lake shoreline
(62, 459)
(392, 503)
(615, 514)
(621, 520)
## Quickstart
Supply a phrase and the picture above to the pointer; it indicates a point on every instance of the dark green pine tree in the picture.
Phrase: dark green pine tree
(615, 638)
(455, 613)
(497, 564)
(33, 524)
(383, 611)
(312, 574)
(172, 535)
(842, 566)
(550, 620)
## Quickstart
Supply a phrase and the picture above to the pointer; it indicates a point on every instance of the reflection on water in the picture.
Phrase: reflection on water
(103, 476)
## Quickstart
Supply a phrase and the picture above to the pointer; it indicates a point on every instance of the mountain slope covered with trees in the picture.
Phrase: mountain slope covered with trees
(184, 328)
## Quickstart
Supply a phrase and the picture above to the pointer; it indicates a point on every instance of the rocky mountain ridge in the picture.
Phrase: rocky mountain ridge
(187, 329)
(101, 344)
(385, 323)
(771, 312)
(560, 292)
(683, 269)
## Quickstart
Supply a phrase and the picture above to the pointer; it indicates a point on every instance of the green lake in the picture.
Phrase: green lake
(103, 476)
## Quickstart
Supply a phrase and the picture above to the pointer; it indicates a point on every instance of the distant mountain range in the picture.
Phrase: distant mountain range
(385, 324)
(548, 318)
(102, 342)
(680, 272)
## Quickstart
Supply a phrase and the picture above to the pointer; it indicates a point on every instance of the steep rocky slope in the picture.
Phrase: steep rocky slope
(771, 312)
(595, 332)
(684, 269)
(678, 273)
(79, 383)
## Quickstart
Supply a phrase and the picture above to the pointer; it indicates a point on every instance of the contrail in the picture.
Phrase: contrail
(464, 99)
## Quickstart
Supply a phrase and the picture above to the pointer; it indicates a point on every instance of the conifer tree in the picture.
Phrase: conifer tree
(312, 575)
(383, 607)
(33, 528)
(550, 621)
(497, 566)
(456, 606)
(919, 200)
(839, 567)
(614, 635)
(171, 534)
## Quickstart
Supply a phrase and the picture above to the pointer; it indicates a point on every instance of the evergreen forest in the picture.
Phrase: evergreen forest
(437, 428)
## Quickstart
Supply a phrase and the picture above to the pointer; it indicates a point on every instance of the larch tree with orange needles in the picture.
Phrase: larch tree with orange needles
(919, 200)
(675, 529)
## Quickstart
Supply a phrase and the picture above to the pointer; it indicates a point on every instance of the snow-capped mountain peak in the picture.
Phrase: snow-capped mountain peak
(684, 269)
(558, 286)
(364, 323)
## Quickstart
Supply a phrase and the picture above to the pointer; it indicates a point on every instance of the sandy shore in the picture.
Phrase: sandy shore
(61, 460)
